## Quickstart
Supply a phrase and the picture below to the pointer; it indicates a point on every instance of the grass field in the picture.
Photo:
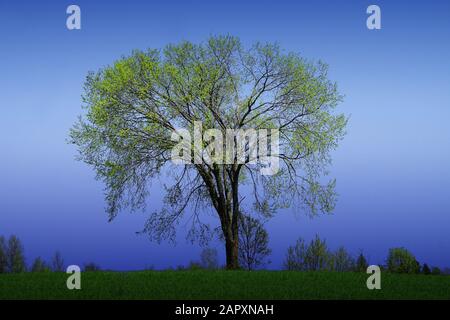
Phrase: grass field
(222, 285)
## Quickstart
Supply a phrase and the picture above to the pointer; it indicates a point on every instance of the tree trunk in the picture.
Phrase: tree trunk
(226, 202)
(231, 247)
(231, 236)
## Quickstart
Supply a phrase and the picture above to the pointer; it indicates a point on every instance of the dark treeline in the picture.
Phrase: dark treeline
(12, 259)
(302, 256)
(316, 256)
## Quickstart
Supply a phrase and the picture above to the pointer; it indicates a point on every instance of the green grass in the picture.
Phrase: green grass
(222, 285)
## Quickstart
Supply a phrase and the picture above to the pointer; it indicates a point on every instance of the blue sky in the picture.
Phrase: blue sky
(392, 168)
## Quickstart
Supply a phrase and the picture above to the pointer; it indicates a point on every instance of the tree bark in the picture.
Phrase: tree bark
(232, 248)
(231, 236)
(223, 189)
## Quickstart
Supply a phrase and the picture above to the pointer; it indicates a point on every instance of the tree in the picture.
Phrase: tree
(295, 256)
(312, 257)
(15, 256)
(342, 261)
(209, 259)
(194, 265)
(361, 263)
(317, 255)
(58, 262)
(3, 255)
(136, 106)
(91, 266)
(39, 265)
(253, 242)
(426, 269)
(401, 260)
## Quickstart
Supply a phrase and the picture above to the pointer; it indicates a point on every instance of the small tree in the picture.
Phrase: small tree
(39, 265)
(3, 257)
(342, 261)
(58, 262)
(254, 241)
(312, 257)
(401, 260)
(91, 266)
(426, 269)
(317, 255)
(194, 265)
(15, 256)
(361, 263)
(208, 258)
(435, 271)
(295, 256)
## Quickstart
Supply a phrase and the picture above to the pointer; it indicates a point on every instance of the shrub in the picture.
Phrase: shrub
(361, 263)
(91, 266)
(39, 265)
(295, 256)
(312, 257)
(3, 255)
(435, 271)
(193, 265)
(58, 262)
(401, 260)
(209, 259)
(342, 261)
(426, 269)
(317, 255)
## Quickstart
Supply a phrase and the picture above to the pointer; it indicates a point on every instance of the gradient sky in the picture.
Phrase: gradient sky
(392, 168)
